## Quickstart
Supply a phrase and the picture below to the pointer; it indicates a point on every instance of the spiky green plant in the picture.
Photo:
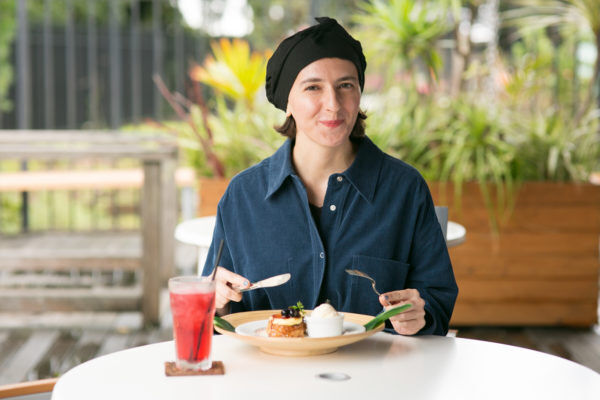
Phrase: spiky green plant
(553, 146)
(404, 32)
(224, 137)
(476, 146)
(580, 18)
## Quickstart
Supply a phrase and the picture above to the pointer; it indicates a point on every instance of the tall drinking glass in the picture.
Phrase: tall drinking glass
(193, 308)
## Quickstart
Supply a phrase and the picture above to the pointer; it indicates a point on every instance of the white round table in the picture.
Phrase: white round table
(383, 366)
(197, 232)
(456, 234)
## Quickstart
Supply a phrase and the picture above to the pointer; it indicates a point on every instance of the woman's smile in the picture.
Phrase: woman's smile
(333, 123)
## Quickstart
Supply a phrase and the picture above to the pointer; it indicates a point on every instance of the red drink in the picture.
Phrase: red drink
(193, 307)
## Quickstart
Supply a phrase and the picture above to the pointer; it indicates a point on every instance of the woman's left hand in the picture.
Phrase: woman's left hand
(410, 321)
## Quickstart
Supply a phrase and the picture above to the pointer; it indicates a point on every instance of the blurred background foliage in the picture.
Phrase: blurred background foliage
(507, 105)
(518, 106)
(234, 128)
(464, 90)
(7, 34)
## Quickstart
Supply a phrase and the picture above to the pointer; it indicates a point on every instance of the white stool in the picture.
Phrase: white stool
(456, 234)
(198, 232)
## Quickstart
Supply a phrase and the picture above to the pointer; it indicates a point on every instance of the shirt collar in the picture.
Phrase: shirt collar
(362, 174)
(280, 167)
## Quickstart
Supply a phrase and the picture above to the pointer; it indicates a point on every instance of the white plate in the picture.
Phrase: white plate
(259, 328)
(296, 347)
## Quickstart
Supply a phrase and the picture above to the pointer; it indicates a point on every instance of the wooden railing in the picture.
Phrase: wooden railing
(158, 156)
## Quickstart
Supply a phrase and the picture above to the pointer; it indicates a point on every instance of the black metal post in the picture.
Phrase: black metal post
(157, 52)
(23, 93)
(115, 65)
(136, 74)
(71, 80)
(92, 61)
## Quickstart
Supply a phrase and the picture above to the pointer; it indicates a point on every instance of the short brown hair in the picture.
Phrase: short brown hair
(288, 128)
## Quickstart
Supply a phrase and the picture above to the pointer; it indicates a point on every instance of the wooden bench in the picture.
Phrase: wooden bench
(84, 179)
(98, 179)
(158, 155)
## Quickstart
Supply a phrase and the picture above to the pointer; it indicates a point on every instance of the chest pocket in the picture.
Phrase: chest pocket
(389, 275)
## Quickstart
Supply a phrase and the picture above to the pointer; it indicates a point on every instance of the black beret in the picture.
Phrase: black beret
(327, 39)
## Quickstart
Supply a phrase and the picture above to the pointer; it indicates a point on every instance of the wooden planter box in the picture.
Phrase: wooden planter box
(542, 268)
(210, 191)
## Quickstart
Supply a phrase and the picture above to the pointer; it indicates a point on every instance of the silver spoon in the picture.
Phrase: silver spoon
(356, 272)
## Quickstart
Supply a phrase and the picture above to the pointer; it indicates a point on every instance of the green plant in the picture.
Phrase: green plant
(408, 126)
(192, 131)
(534, 64)
(556, 139)
(236, 131)
(7, 33)
(536, 127)
(477, 146)
(244, 135)
(233, 71)
(572, 18)
(452, 139)
(556, 147)
(403, 33)
(446, 139)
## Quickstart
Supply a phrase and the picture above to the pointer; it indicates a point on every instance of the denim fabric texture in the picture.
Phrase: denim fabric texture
(377, 217)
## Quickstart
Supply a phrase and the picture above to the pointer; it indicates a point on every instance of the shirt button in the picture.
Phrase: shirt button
(339, 178)
(322, 255)
(332, 207)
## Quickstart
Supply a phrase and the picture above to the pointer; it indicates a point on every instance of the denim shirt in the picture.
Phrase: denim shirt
(377, 216)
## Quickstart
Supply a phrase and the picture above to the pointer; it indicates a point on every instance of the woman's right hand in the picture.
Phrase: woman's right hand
(226, 281)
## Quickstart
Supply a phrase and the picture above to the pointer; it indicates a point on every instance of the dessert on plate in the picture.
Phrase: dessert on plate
(288, 323)
(325, 321)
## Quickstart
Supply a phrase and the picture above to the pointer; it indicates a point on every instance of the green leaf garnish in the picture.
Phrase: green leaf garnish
(223, 324)
(300, 307)
(385, 315)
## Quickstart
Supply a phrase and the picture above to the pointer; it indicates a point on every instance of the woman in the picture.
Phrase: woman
(329, 200)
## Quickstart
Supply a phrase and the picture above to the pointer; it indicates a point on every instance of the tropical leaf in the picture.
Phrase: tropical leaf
(404, 31)
(233, 70)
(223, 324)
(385, 315)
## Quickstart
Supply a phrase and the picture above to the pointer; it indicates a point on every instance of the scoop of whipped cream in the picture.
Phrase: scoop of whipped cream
(325, 310)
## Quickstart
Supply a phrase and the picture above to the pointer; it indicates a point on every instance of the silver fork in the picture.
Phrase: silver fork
(356, 272)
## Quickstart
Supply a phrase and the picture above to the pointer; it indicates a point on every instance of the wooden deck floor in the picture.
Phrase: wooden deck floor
(47, 345)
(43, 346)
